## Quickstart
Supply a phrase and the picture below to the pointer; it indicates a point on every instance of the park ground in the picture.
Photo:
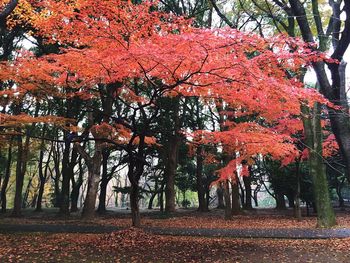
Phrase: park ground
(139, 245)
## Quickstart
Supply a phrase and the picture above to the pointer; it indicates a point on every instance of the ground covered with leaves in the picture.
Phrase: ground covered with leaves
(133, 245)
(185, 218)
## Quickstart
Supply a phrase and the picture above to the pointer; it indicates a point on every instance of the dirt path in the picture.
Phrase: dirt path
(279, 233)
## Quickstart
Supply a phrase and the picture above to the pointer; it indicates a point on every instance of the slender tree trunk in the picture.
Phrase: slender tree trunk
(104, 182)
(150, 203)
(6, 179)
(20, 172)
(297, 208)
(202, 206)
(56, 178)
(227, 197)
(42, 175)
(66, 177)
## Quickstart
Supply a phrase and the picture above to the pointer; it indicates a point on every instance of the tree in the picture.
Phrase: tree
(148, 54)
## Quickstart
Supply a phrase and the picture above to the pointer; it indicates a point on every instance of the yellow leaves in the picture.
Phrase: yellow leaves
(24, 13)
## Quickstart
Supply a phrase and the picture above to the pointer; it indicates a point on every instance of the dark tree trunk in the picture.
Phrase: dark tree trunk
(6, 179)
(66, 177)
(172, 159)
(104, 182)
(202, 206)
(22, 151)
(280, 202)
(248, 192)
(150, 203)
(57, 192)
(134, 203)
(236, 207)
(169, 174)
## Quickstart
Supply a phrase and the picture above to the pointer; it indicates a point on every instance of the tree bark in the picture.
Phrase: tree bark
(94, 170)
(227, 197)
(134, 203)
(248, 192)
(202, 205)
(6, 179)
(236, 207)
(172, 159)
(313, 131)
(104, 182)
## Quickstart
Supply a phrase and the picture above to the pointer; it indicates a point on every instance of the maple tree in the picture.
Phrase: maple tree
(137, 55)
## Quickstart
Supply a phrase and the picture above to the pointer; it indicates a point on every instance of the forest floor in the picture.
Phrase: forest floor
(125, 244)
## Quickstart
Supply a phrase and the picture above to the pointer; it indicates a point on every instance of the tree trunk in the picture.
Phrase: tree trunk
(134, 203)
(334, 92)
(150, 203)
(202, 206)
(20, 172)
(6, 179)
(169, 174)
(236, 207)
(94, 170)
(227, 197)
(280, 202)
(313, 131)
(104, 182)
(42, 175)
(172, 159)
(248, 192)
(66, 177)
(297, 208)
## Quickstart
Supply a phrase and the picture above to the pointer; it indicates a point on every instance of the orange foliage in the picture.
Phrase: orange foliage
(119, 42)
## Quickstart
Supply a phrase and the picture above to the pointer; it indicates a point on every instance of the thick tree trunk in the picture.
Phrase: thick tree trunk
(313, 131)
(334, 92)
(134, 203)
(90, 200)
(248, 192)
(94, 173)
(169, 174)
(6, 179)
(172, 158)
(280, 202)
